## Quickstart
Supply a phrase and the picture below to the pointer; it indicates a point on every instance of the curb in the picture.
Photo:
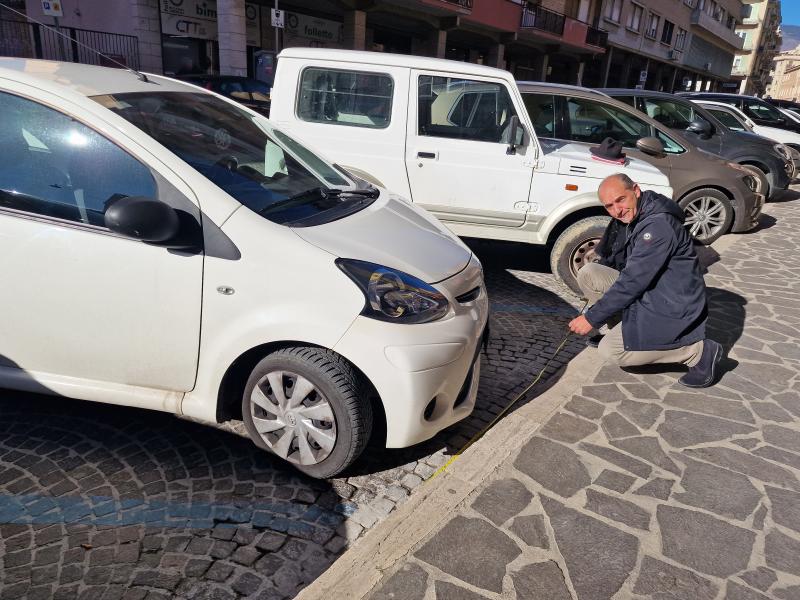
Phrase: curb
(361, 568)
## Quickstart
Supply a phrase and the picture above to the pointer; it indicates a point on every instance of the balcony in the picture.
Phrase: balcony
(705, 22)
(462, 3)
(558, 28)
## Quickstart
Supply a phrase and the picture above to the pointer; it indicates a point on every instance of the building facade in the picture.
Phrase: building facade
(760, 32)
(657, 44)
(670, 45)
(785, 83)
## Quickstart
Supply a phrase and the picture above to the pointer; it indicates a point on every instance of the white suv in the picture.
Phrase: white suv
(165, 248)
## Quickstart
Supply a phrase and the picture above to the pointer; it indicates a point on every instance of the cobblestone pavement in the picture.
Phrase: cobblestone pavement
(105, 502)
(638, 488)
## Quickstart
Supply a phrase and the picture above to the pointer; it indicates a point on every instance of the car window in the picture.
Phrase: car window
(541, 110)
(670, 145)
(58, 167)
(675, 115)
(629, 100)
(463, 109)
(730, 120)
(762, 110)
(264, 169)
(592, 121)
(352, 98)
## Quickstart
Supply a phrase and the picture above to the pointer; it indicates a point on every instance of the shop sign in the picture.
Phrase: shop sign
(305, 26)
(198, 19)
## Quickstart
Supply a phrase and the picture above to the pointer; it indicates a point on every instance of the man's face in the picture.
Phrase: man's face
(619, 202)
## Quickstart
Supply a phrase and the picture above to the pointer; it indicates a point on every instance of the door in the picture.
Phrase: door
(457, 155)
(677, 115)
(79, 301)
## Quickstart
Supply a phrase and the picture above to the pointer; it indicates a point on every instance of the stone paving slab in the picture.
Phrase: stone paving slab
(636, 487)
(107, 502)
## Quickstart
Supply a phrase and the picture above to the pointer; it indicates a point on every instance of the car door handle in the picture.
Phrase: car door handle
(426, 155)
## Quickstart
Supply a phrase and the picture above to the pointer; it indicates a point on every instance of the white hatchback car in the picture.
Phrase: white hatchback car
(166, 248)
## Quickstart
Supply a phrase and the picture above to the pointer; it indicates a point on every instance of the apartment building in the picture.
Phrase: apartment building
(760, 30)
(544, 40)
(785, 83)
(670, 45)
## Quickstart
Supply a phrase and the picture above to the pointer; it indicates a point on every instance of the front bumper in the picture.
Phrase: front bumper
(747, 205)
(426, 375)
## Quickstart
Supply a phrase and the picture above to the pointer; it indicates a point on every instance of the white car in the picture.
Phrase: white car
(168, 249)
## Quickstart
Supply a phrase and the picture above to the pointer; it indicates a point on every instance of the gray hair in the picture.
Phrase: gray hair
(626, 181)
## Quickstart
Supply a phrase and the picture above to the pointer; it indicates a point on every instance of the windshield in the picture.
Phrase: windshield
(762, 111)
(262, 168)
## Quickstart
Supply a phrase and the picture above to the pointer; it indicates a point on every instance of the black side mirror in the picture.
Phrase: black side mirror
(701, 127)
(142, 219)
(516, 135)
(651, 146)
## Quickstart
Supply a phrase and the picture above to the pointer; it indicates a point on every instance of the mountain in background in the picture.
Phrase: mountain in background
(791, 37)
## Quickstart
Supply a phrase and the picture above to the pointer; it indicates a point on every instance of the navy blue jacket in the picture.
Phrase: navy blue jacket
(660, 291)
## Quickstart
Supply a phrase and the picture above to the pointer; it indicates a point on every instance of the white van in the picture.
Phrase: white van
(452, 137)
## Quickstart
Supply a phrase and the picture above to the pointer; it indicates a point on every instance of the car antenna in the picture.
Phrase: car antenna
(140, 75)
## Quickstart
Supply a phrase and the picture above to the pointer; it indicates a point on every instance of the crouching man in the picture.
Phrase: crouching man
(656, 285)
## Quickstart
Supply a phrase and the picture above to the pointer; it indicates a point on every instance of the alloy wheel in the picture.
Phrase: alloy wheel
(705, 217)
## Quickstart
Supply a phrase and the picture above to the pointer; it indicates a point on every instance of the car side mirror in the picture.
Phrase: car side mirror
(516, 135)
(142, 219)
(651, 146)
(701, 127)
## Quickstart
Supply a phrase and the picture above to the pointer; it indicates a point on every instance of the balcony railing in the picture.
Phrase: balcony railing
(461, 3)
(596, 37)
(711, 25)
(543, 19)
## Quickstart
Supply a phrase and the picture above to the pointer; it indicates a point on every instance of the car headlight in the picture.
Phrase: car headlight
(783, 151)
(394, 296)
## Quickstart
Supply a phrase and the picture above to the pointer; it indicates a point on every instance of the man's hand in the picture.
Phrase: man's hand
(580, 325)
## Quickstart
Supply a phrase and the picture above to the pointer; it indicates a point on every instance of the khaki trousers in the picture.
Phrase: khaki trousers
(595, 280)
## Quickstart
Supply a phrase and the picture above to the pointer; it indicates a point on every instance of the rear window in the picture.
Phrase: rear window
(353, 98)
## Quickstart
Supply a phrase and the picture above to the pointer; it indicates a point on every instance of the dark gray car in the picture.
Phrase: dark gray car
(700, 127)
(716, 195)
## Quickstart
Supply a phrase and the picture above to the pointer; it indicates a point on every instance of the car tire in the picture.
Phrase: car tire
(709, 214)
(321, 433)
(574, 248)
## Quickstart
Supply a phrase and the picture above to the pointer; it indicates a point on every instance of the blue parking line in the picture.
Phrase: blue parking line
(37, 509)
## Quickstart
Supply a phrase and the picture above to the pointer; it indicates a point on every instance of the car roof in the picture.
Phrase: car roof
(87, 80)
(392, 60)
(529, 86)
(716, 95)
(634, 92)
(720, 105)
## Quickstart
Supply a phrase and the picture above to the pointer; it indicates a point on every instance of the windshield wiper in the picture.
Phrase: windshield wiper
(371, 192)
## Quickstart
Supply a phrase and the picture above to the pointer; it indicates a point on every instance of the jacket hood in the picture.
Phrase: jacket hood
(651, 203)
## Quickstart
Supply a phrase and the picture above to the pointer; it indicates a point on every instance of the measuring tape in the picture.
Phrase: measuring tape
(500, 415)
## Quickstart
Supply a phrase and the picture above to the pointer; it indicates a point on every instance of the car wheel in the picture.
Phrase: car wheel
(309, 407)
(709, 214)
(574, 248)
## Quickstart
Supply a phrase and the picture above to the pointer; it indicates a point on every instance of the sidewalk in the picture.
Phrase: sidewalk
(632, 486)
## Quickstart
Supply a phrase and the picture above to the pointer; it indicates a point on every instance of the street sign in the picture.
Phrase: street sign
(642, 76)
(52, 8)
(277, 18)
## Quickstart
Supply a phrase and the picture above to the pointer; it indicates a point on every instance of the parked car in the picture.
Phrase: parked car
(454, 138)
(761, 111)
(696, 124)
(717, 195)
(252, 93)
(170, 250)
(735, 120)
(790, 105)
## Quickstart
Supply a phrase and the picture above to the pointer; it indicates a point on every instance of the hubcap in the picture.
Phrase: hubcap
(293, 417)
(705, 217)
(583, 254)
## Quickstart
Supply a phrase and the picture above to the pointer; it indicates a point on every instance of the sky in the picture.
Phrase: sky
(790, 12)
